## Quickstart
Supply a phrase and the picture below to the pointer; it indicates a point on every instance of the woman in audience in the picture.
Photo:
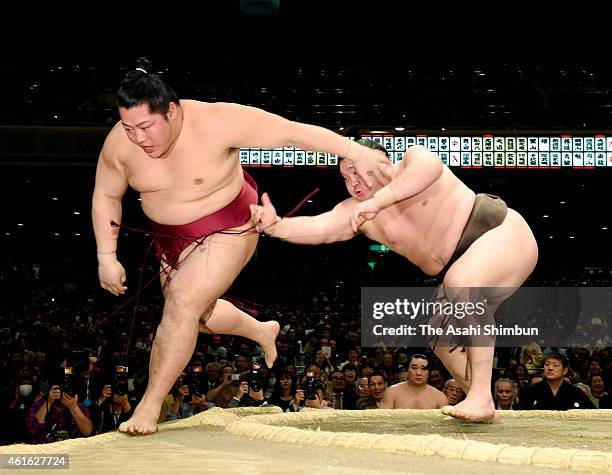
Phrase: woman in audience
(285, 394)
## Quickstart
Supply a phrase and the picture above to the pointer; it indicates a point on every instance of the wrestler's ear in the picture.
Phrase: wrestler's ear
(172, 110)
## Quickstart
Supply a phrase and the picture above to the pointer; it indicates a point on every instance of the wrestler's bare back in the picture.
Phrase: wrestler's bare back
(199, 176)
(426, 228)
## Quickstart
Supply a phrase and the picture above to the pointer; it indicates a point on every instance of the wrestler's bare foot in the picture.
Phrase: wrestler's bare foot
(267, 341)
(143, 422)
(473, 409)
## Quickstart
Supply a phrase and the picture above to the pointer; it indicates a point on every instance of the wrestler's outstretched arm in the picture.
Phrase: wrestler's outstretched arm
(325, 228)
(241, 126)
(111, 184)
(418, 169)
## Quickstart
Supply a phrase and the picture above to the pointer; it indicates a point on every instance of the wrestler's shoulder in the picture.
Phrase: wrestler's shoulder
(347, 205)
(211, 117)
(115, 139)
(200, 107)
(117, 143)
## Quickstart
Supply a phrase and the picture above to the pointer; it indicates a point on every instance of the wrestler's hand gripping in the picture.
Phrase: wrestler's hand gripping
(369, 164)
(264, 217)
(368, 209)
(364, 211)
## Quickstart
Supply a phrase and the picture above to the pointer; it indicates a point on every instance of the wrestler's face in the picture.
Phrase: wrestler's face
(355, 187)
(418, 372)
(154, 133)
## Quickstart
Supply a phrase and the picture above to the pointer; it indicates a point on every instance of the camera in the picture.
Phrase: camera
(68, 375)
(195, 380)
(68, 382)
(120, 381)
(310, 386)
(236, 379)
(254, 379)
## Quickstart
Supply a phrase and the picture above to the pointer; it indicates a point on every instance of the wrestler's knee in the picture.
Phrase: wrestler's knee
(185, 302)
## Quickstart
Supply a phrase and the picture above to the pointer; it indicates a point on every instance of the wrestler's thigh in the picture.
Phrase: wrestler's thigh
(207, 273)
(502, 257)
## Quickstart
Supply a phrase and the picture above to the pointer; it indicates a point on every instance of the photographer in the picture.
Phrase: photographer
(186, 399)
(57, 417)
(83, 376)
(248, 393)
(312, 392)
(110, 410)
(222, 394)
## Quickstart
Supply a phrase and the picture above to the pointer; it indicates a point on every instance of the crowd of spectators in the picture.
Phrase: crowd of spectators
(72, 367)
